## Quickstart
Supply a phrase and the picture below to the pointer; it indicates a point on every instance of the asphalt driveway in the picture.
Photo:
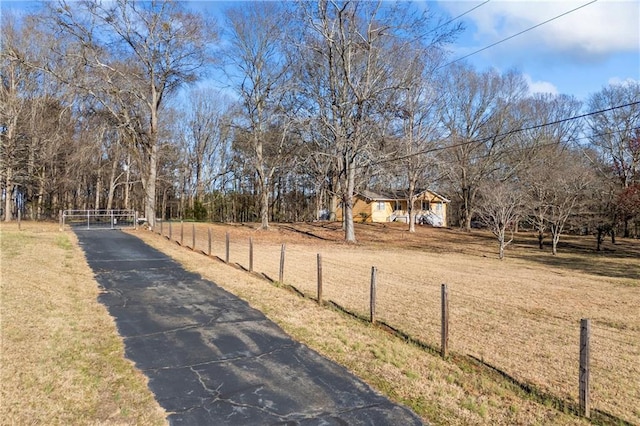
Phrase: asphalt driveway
(211, 359)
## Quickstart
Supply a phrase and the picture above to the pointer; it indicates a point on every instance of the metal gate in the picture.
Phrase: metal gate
(99, 219)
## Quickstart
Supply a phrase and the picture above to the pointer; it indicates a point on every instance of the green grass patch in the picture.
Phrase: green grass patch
(63, 242)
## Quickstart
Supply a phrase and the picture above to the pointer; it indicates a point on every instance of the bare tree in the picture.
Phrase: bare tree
(19, 85)
(501, 207)
(628, 204)
(567, 183)
(479, 119)
(357, 46)
(419, 133)
(260, 74)
(125, 53)
(613, 133)
(205, 135)
(315, 163)
(34, 120)
(545, 136)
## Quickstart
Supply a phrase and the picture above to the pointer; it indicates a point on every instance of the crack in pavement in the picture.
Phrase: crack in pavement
(212, 359)
(196, 325)
(221, 360)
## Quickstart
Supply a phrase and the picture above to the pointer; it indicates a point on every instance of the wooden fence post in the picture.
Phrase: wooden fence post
(372, 298)
(161, 227)
(281, 275)
(193, 236)
(250, 254)
(585, 334)
(209, 237)
(169, 231)
(319, 279)
(181, 232)
(61, 220)
(226, 257)
(444, 343)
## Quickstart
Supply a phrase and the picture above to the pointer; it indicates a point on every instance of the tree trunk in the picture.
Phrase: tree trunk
(199, 182)
(467, 221)
(150, 186)
(349, 228)
(333, 207)
(112, 184)
(98, 189)
(164, 205)
(625, 231)
(319, 201)
(466, 209)
(41, 189)
(540, 240)
(411, 198)
(264, 206)
(127, 187)
(599, 238)
(8, 212)
(412, 215)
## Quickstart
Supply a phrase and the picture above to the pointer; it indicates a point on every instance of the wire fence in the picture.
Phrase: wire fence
(532, 346)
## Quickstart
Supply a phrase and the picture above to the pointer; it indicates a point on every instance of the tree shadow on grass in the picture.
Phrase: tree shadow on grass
(619, 262)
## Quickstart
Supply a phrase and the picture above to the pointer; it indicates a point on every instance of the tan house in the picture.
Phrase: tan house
(430, 208)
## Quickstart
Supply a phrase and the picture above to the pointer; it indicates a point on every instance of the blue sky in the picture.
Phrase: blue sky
(576, 54)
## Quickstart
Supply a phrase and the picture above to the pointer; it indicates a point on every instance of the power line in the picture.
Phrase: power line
(524, 129)
(573, 118)
(517, 34)
(459, 16)
(547, 144)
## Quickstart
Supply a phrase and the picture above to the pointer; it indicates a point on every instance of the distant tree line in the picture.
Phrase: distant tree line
(283, 111)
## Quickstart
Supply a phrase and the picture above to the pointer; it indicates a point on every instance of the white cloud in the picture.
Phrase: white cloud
(617, 81)
(540, 86)
(588, 34)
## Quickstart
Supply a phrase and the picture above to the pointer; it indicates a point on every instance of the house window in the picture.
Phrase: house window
(424, 205)
(379, 206)
(398, 205)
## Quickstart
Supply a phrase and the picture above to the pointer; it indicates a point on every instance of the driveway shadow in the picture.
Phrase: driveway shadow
(211, 358)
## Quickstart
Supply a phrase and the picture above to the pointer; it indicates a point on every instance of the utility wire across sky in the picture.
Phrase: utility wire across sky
(460, 16)
(510, 132)
(514, 35)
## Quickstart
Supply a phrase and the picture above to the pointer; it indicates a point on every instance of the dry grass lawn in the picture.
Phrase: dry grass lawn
(520, 315)
(62, 361)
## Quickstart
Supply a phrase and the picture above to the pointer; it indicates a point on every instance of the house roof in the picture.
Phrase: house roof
(396, 195)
